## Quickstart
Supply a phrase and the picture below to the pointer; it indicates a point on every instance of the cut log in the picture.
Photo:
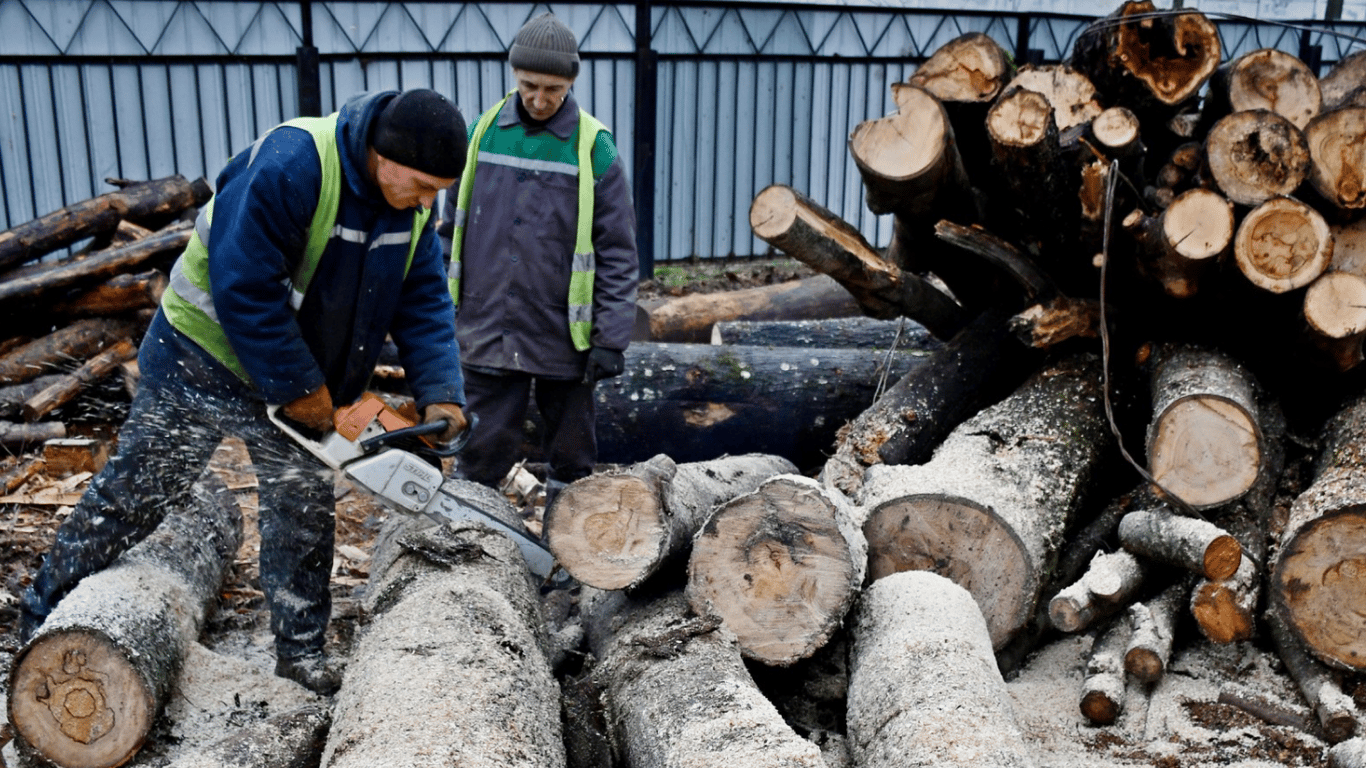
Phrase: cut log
(1060, 318)
(1145, 60)
(1154, 627)
(615, 529)
(1033, 283)
(1204, 440)
(1181, 245)
(1337, 144)
(924, 689)
(13, 396)
(1256, 155)
(697, 402)
(1110, 583)
(969, 68)
(453, 667)
(1321, 688)
(15, 477)
(1102, 689)
(908, 160)
(65, 457)
(1349, 247)
(690, 318)
(1318, 584)
(122, 293)
(77, 341)
(1267, 79)
(290, 739)
(836, 332)
(61, 228)
(1348, 754)
(982, 363)
(64, 391)
(780, 566)
(18, 438)
(818, 238)
(1345, 78)
(1196, 545)
(991, 518)
(1069, 93)
(678, 692)
(86, 689)
(1282, 244)
(98, 266)
(1335, 316)
(1115, 132)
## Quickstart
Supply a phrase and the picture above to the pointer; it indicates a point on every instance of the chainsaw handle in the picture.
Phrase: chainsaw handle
(370, 445)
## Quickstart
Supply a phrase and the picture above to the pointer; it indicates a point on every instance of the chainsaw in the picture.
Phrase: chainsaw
(384, 453)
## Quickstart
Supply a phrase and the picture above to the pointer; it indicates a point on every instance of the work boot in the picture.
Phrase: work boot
(313, 671)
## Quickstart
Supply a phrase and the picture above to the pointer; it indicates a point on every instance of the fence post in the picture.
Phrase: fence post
(647, 88)
(306, 56)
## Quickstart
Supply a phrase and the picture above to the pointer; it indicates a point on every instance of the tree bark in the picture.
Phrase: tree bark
(1335, 317)
(86, 689)
(60, 228)
(122, 293)
(18, 438)
(1153, 63)
(982, 363)
(1205, 440)
(290, 739)
(615, 529)
(780, 566)
(1282, 245)
(1322, 690)
(94, 369)
(1102, 689)
(1344, 79)
(1195, 545)
(924, 689)
(1318, 584)
(1182, 245)
(1348, 754)
(453, 667)
(1154, 627)
(98, 266)
(76, 341)
(992, 519)
(690, 318)
(1110, 583)
(833, 333)
(13, 396)
(1337, 145)
(790, 221)
(1256, 155)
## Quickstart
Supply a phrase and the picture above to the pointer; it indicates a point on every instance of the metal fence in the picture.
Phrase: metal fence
(709, 102)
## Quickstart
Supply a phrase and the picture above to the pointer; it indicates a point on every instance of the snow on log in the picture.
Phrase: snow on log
(924, 689)
(1204, 440)
(84, 692)
(989, 509)
(1318, 583)
(1196, 545)
(1321, 688)
(678, 692)
(614, 529)
(1102, 688)
(1154, 627)
(1111, 581)
(453, 667)
(780, 566)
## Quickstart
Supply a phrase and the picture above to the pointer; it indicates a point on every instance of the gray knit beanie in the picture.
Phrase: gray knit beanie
(547, 46)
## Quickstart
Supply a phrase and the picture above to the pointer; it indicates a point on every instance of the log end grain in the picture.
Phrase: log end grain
(1205, 450)
(1173, 60)
(1222, 558)
(1320, 585)
(1020, 119)
(1116, 127)
(1335, 305)
(1221, 614)
(1283, 244)
(1256, 155)
(1275, 80)
(1337, 143)
(607, 530)
(970, 68)
(1144, 664)
(78, 702)
(1101, 707)
(773, 211)
(1198, 224)
(906, 144)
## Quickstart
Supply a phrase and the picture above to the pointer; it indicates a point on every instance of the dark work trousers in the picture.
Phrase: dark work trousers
(186, 404)
(501, 402)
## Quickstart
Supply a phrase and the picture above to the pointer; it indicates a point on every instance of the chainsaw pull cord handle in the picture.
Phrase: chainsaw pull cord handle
(455, 446)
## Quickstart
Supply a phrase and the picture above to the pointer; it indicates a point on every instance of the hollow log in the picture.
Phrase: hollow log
(1256, 155)
(1282, 245)
(1109, 583)
(1318, 583)
(780, 566)
(1182, 245)
(453, 667)
(1145, 60)
(1344, 79)
(808, 232)
(1102, 688)
(697, 402)
(992, 519)
(835, 332)
(1337, 145)
(121, 293)
(1335, 317)
(1321, 688)
(64, 391)
(18, 438)
(98, 266)
(690, 318)
(908, 160)
(979, 365)
(1195, 545)
(1204, 440)
(76, 341)
(86, 689)
(924, 689)
(678, 692)
(60, 228)
(615, 529)
(1153, 625)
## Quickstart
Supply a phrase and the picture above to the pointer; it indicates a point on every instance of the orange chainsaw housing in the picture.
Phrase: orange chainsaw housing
(351, 420)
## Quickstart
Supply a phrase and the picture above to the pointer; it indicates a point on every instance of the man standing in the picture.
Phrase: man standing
(543, 264)
(314, 248)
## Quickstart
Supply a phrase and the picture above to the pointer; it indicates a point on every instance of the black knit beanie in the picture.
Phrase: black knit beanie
(423, 130)
(547, 46)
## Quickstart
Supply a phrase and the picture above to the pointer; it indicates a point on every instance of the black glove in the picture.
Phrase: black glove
(603, 363)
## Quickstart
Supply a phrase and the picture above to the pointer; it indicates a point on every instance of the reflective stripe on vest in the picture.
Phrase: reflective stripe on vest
(188, 299)
(583, 263)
